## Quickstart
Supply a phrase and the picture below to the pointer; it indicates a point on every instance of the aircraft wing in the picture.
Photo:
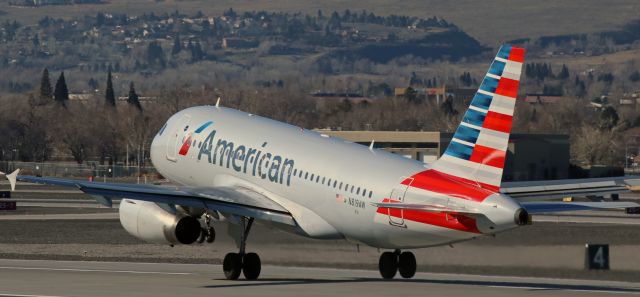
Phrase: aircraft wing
(552, 189)
(557, 206)
(237, 201)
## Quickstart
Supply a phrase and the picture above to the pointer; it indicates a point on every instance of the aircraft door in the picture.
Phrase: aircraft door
(179, 134)
(396, 216)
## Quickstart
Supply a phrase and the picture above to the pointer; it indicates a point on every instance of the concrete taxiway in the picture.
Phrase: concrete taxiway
(62, 278)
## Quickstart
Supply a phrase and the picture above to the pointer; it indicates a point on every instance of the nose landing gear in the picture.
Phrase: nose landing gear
(392, 262)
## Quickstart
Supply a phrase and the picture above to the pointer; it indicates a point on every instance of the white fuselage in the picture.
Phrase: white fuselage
(326, 183)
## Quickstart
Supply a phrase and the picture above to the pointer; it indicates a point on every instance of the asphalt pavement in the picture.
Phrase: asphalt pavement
(93, 279)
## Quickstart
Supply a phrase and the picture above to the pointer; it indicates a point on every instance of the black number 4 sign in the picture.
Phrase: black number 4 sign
(597, 256)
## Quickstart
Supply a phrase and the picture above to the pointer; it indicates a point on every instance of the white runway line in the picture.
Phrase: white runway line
(83, 216)
(93, 270)
(22, 295)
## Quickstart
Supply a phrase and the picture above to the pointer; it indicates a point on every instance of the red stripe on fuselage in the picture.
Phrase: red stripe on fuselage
(449, 221)
(439, 182)
(488, 156)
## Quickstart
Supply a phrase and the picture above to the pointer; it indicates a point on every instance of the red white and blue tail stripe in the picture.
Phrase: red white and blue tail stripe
(478, 148)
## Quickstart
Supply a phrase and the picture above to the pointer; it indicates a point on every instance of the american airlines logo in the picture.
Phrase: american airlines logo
(251, 161)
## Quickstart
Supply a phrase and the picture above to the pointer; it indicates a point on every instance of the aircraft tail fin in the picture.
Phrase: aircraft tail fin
(478, 148)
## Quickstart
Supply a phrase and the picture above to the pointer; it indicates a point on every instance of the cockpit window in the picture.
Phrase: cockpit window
(162, 129)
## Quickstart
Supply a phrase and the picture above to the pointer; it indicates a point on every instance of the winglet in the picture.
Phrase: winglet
(371, 145)
(218, 102)
(12, 179)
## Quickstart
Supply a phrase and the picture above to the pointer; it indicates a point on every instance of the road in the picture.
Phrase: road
(62, 278)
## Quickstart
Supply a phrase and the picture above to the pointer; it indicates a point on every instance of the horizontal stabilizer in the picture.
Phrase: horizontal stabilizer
(544, 207)
(12, 178)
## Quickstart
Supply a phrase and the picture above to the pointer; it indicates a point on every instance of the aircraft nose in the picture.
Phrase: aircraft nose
(155, 148)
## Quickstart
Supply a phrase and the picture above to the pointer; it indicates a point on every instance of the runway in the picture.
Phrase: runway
(62, 278)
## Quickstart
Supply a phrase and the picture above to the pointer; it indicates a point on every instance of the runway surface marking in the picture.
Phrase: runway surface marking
(79, 216)
(94, 270)
(22, 295)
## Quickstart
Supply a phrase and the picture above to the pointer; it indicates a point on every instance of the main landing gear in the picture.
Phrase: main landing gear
(392, 262)
(207, 233)
(241, 262)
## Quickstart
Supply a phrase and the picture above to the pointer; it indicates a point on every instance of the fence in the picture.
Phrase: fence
(90, 169)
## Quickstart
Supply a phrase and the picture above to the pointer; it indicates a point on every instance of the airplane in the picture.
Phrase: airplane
(237, 166)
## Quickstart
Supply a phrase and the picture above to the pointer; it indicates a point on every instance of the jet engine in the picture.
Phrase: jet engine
(152, 223)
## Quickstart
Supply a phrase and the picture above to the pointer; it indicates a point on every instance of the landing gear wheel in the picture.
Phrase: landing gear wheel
(251, 266)
(210, 234)
(203, 235)
(232, 266)
(388, 265)
(407, 264)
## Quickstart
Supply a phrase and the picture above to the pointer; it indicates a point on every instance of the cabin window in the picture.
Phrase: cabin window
(340, 186)
(323, 179)
(358, 191)
(295, 172)
(306, 175)
(352, 187)
(162, 129)
(370, 193)
(317, 178)
(335, 183)
(312, 175)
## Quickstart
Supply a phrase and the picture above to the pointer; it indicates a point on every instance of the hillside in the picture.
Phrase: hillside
(491, 22)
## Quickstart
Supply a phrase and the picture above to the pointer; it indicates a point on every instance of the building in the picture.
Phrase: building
(431, 94)
(440, 94)
(529, 156)
(239, 43)
(542, 98)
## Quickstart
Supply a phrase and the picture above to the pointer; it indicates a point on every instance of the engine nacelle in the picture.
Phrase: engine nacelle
(151, 223)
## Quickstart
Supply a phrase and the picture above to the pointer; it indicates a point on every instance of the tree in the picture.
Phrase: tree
(61, 94)
(155, 55)
(177, 46)
(411, 95)
(46, 91)
(133, 97)
(608, 118)
(110, 97)
(564, 73)
(447, 107)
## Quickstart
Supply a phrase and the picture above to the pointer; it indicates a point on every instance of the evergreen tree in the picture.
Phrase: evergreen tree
(61, 94)
(177, 46)
(411, 95)
(110, 97)
(564, 73)
(93, 83)
(447, 107)
(608, 118)
(133, 97)
(46, 91)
